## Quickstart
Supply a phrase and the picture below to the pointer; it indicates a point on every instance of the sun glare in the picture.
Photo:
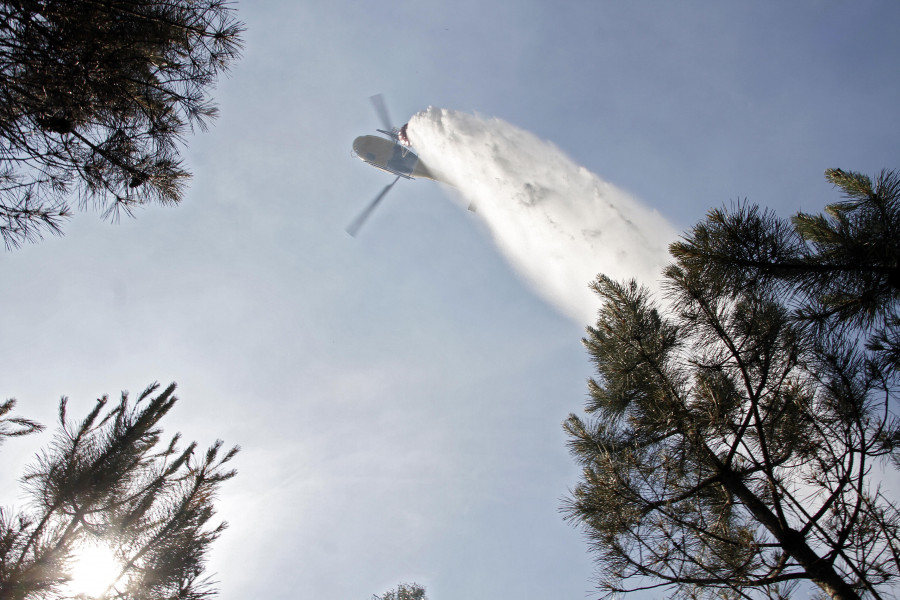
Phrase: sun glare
(93, 570)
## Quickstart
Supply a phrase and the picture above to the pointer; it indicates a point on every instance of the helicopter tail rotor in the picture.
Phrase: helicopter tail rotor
(355, 225)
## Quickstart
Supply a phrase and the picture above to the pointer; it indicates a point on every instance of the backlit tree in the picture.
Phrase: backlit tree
(96, 97)
(839, 271)
(738, 432)
(111, 480)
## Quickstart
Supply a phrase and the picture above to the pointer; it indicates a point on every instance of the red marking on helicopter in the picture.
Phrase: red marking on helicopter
(401, 135)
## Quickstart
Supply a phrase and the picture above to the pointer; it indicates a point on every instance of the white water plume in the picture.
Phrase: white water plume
(557, 223)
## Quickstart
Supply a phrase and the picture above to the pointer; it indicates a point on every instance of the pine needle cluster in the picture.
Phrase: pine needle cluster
(96, 97)
(112, 479)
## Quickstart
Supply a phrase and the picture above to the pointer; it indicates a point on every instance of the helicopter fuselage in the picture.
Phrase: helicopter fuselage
(390, 156)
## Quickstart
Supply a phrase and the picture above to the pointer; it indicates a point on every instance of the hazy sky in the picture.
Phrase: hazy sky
(399, 395)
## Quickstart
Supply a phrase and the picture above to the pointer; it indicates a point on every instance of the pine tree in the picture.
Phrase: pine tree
(111, 479)
(737, 431)
(96, 97)
(404, 591)
(839, 270)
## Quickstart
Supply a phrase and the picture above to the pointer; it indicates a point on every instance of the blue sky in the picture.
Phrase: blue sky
(399, 395)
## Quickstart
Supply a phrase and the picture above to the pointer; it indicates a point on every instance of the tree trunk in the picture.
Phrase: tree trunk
(821, 572)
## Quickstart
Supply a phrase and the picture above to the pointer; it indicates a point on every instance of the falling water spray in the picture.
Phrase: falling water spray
(558, 224)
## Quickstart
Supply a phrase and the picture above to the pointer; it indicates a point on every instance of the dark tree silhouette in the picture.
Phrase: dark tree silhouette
(738, 432)
(840, 270)
(96, 97)
(111, 479)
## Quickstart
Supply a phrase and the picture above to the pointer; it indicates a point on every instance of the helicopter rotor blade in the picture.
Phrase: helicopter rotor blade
(381, 109)
(354, 227)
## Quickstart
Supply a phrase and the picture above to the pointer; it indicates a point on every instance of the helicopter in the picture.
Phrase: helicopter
(392, 154)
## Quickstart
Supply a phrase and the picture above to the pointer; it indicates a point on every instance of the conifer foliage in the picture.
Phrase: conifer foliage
(840, 270)
(96, 97)
(404, 591)
(111, 479)
(739, 431)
